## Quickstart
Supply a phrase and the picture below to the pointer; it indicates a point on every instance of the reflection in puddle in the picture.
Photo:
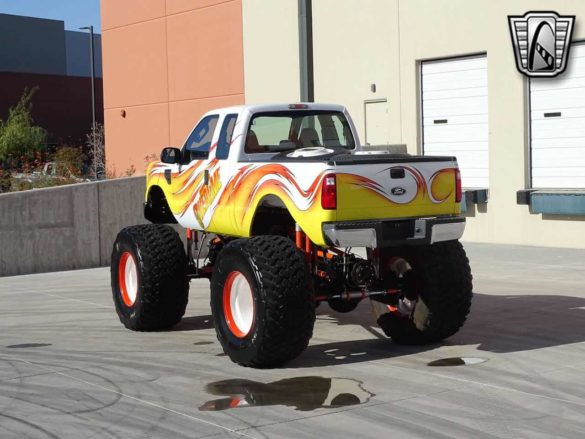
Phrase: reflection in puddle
(28, 345)
(457, 361)
(302, 393)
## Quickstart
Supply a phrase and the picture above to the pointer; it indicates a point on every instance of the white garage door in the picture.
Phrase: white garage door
(455, 115)
(557, 113)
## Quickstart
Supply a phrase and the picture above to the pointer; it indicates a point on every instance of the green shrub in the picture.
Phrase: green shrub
(18, 136)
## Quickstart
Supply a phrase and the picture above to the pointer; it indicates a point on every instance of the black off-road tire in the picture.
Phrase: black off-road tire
(283, 305)
(444, 283)
(162, 284)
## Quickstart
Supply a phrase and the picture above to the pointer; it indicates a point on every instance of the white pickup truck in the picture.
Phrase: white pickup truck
(287, 191)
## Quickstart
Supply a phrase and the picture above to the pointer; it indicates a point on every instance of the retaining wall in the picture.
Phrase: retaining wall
(67, 227)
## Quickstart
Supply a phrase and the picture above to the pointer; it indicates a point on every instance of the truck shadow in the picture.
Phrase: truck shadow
(497, 323)
(513, 323)
(193, 323)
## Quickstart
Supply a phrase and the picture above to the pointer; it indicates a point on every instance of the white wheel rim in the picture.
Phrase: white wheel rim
(238, 304)
(128, 272)
(131, 279)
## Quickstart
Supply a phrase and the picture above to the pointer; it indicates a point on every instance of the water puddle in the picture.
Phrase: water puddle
(457, 361)
(301, 393)
(28, 345)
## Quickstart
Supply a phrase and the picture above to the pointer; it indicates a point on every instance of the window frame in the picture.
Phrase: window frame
(185, 148)
(224, 141)
(296, 122)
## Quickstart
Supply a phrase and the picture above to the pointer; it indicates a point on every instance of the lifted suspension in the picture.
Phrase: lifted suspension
(352, 295)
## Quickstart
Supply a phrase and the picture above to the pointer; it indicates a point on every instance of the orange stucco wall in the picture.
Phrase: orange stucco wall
(166, 62)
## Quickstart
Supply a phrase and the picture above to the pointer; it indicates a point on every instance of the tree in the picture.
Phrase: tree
(19, 137)
(97, 151)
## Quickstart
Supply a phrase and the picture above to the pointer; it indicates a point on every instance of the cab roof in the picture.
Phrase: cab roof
(261, 108)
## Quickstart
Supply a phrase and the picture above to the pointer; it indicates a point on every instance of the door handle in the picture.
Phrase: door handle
(206, 177)
(168, 176)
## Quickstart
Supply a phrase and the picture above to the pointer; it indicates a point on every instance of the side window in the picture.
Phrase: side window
(225, 136)
(199, 142)
(335, 132)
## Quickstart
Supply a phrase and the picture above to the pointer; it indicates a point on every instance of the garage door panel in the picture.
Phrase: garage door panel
(455, 114)
(453, 148)
(454, 93)
(566, 113)
(469, 159)
(558, 158)
(564, 98)
(558, 141)
(459, 133)
(456, 65)
(559, 182)
(570, 142)
(474, 173)
(455, 107)
(539, 86)
(558, 128)
(445, 81)
(565, 171)
(440, 80)
(473, 178)
(447, 84)
(473, 182)
(457, 120)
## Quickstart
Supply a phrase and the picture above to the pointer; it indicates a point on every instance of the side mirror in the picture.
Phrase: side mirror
(170, 155)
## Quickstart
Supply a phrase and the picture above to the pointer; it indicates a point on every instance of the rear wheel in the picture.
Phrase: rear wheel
(436, 290)
(262, 306)
(149, 277)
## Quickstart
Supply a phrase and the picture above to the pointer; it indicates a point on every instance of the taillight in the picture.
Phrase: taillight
(458, 191)
(329, 192)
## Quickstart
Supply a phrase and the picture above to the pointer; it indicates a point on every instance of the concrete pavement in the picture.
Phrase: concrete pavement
(68, 369)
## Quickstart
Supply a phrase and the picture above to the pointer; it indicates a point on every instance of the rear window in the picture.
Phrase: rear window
(290, 130)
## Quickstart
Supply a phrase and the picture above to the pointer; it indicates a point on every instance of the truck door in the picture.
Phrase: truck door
(184, 180)
(221, 168)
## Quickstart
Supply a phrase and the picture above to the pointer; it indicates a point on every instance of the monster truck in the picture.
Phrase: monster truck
(276, 197)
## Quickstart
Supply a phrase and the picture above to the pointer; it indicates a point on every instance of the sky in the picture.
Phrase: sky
(75, 13)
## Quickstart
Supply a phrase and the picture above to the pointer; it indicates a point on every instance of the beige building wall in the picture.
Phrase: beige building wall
(166, 62)
(383, 42)
(271, 51)
(355, 45)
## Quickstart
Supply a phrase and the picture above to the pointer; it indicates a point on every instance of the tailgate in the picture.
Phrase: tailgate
(383, 187)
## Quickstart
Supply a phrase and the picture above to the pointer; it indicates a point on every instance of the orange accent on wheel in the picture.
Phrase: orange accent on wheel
(128, 278)
(238, 304)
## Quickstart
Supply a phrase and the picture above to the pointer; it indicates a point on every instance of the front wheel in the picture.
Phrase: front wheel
(149, 277)
(436, 292)
(263, 309)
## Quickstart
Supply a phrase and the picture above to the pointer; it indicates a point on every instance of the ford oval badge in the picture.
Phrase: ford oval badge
(398, 191)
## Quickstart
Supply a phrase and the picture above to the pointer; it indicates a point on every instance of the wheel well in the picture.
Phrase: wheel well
(156, 208)
(272, 218)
